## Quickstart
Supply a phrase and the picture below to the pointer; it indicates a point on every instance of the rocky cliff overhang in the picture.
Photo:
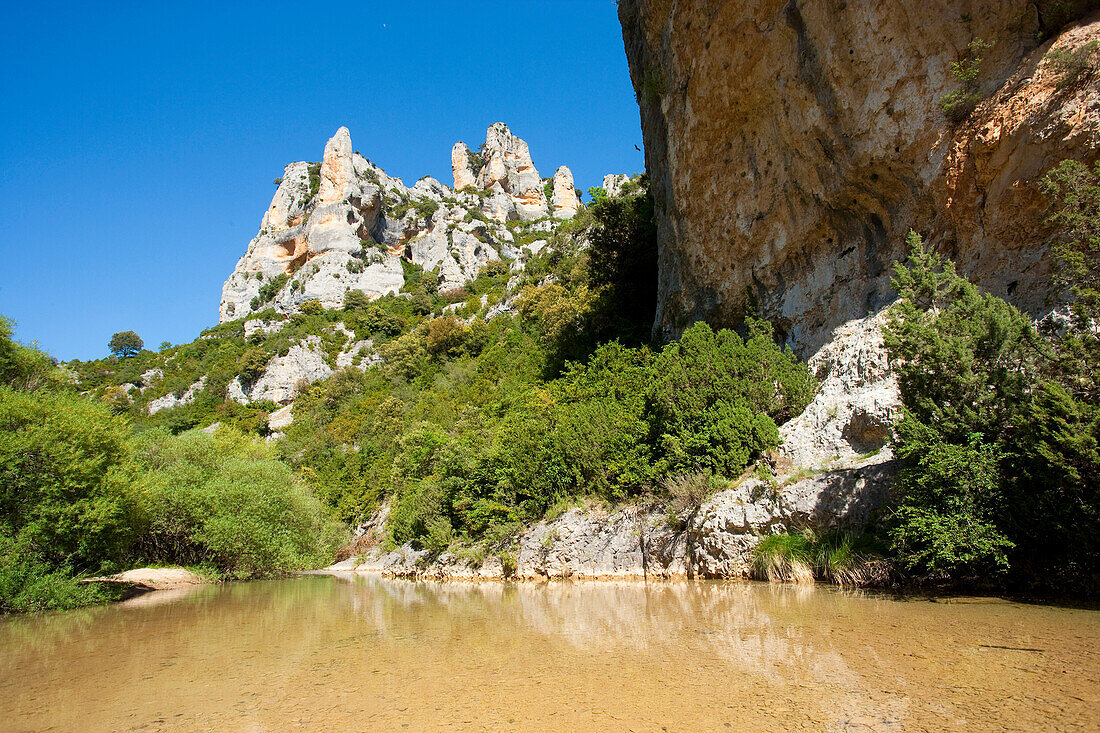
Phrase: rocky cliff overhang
(792, 144)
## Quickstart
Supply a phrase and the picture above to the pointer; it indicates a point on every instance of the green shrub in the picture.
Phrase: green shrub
(64, 489)
(1076, 65)
(958, 105)
(28, 584)
(23, 368)
(715, 398)
(252, 364)
(944, 525)
(224, 500)
(1000, 441)
(314, 171)
(270, 289)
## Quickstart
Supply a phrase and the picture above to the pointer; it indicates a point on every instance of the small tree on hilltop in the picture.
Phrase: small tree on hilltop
(125, 343)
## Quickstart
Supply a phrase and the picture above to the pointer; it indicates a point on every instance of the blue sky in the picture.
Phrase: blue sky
(138, 141)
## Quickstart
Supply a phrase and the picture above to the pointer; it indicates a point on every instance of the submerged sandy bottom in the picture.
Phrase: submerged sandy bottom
(355, 652)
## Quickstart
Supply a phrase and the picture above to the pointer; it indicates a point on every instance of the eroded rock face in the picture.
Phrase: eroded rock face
(506, 167)
(791, 145)
(344, 224)
(856, 404)
(566, 202)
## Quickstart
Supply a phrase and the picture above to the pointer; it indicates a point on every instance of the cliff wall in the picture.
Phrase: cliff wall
(791, 144)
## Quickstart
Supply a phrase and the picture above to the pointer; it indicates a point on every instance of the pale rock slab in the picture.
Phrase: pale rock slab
(338, 179)
(566, 201)
(460, 166)
(303, 364)
(857, 401)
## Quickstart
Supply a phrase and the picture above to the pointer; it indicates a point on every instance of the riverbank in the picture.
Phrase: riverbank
(714, 539)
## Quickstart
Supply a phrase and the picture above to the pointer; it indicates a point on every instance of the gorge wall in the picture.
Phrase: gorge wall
(791, 144)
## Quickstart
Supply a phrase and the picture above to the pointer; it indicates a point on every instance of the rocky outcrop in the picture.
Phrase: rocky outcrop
(344, 224)
(504, 168)
(856, 404)
(714, 540)
(170, 400)
(327, 215)
(284, 376)
(791, 144)
(508, 162)
(613, 183)
(565, 200)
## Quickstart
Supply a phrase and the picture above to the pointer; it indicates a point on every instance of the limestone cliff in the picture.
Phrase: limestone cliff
(791, 144)
(343, 224)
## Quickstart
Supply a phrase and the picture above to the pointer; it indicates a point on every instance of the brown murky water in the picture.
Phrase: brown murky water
(353, 653)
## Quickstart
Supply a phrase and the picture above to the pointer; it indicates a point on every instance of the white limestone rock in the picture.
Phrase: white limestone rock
(170, 400)
(508, 162)
(613, 183)
(566, 201)
(281, 419)
(338, 179)
(857, 401)
(303, 364)
(498, 205)
(358, 355)
(255, 325)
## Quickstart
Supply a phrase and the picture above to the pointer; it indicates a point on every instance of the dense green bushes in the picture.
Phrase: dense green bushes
(224, 500)
(473, 443)
(1000, 438)
(716, 398)
(80, 495)
(64, 490)
(23, 368)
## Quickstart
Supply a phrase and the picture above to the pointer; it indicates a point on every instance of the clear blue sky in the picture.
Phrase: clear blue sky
(138, 141)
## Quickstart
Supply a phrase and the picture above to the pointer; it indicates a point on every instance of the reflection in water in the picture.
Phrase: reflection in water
(352, 652)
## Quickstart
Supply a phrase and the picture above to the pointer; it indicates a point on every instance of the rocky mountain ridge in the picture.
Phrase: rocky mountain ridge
(344, 224)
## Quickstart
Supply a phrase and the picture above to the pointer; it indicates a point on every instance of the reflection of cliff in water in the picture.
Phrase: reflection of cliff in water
(346, 650)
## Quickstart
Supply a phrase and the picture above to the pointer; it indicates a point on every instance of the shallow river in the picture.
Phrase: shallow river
(353, 653)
